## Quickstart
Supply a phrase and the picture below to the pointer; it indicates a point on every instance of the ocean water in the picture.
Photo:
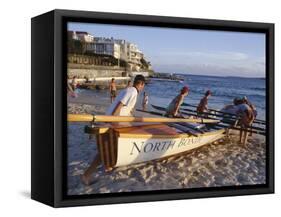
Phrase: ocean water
(224, 90)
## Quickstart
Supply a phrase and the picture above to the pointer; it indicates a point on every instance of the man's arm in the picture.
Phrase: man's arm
(117, 109)
(177, 106)
(206, 104)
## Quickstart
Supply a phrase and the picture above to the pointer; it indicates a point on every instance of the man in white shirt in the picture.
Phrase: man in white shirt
(126, 100)
(123, 105)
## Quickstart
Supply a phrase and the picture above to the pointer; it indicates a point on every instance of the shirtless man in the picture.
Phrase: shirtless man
(74, 83)
(173, 109)
(203, 105)
(112, 90)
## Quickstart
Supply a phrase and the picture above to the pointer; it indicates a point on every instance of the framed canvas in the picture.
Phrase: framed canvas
(134, 108)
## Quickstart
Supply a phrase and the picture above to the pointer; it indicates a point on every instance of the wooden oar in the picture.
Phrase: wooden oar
(109, 118)
(185, 113)
(259, 130)
(191, 127)
(182, 128)
(230, 123)
(194, 106)
(226, 120)
(258, 121)
(247, 130)
(158, 108)
(150, 112)
(161, 114)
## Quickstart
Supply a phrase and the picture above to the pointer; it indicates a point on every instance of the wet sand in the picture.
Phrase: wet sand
(223, 163)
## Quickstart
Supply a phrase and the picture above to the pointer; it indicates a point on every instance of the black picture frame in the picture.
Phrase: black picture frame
(49, 107)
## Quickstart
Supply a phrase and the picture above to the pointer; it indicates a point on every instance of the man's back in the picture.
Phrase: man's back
(128, 97)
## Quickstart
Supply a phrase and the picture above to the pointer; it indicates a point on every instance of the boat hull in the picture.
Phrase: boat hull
(130, 145)
(137, 150)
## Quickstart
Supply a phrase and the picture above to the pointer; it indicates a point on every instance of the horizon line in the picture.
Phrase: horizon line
(225, 76)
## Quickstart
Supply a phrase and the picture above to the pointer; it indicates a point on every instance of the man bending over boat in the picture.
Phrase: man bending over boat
(203, 105)
(246, 119)
(254, 109)
(173, 108)
(123, 105)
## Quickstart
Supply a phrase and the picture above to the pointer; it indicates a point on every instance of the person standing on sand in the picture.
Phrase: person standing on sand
(203, 105)
(112, 89)
(74, 83)
(129, 84)
(123, 105)
(144, 101)
(246, 119)
(173, 109)
(254, 110)
(70, 90)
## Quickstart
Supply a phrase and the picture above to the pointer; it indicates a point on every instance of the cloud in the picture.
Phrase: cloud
(212, 69)
(215, 63)
(226, 55)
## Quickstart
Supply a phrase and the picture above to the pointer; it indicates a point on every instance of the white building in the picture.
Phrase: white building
(109, 48)
(129, 52)
(117, 48)
(135, 73)
(85, 36)
(72, 35)
(134, 56)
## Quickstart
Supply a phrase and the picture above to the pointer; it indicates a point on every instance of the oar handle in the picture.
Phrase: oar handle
(109, 118)
(79, 117)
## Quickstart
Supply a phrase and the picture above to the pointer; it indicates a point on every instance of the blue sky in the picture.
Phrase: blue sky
(187, 51)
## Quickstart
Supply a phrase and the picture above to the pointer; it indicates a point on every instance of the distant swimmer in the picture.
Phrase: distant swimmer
(203, 105)
(173, 109)
(112, 90)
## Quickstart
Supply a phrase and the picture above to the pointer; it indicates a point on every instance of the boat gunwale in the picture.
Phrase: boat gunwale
(180, 135)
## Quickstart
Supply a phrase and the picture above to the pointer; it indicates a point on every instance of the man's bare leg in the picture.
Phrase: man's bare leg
(245, 138)
(86, 177)
(251, 129)
(241, 134)
(227, 133)
(108, 169)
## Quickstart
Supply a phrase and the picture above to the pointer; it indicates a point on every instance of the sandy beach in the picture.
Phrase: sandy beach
(223, 163)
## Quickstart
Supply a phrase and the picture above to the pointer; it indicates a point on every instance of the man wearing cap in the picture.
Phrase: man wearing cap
(203, 105)
(173, 109)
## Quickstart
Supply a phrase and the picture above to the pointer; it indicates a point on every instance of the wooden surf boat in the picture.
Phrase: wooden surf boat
(131, 143)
